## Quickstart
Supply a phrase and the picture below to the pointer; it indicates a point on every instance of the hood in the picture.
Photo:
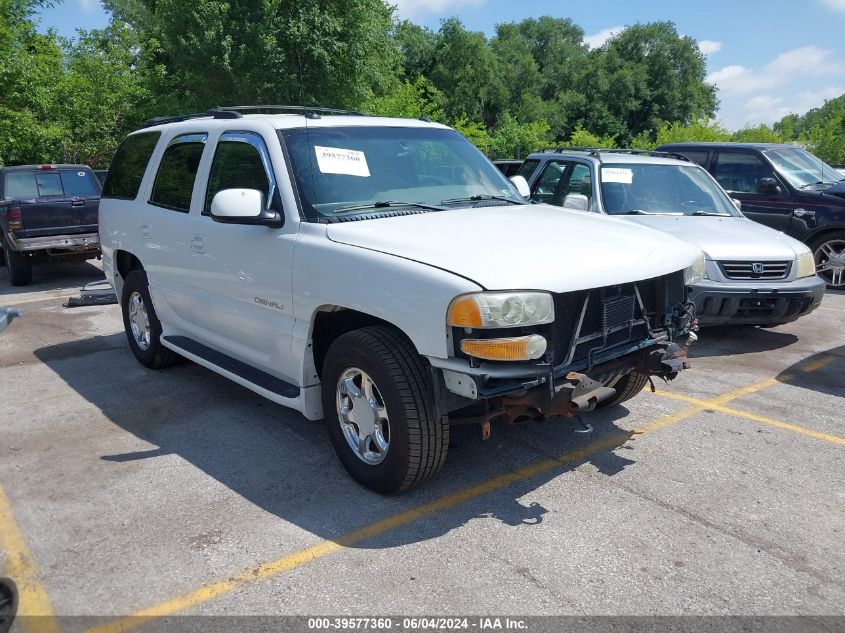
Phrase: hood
(728, 238)
(531, 247)
(836, 190)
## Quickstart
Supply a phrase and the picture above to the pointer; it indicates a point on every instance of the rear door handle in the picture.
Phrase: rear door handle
(198, 244)
(146, 229)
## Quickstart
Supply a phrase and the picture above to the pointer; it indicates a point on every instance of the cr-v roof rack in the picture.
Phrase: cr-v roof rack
(597, 151)
(236, 112)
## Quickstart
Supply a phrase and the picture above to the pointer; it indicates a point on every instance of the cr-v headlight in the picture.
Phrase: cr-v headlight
(696, 271)
(806, 265)
(491, 310)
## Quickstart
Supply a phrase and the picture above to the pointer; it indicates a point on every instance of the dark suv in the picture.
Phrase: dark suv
(784, 187)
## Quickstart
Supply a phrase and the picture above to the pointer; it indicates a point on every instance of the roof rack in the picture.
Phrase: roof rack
(557, 150)
(597, 151)
(236, 112)
(647, 152)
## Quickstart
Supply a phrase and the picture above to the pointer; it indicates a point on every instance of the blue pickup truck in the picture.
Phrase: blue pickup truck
(47, 212)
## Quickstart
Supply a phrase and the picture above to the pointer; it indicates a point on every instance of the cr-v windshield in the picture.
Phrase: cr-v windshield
(802, 169)
(643, 188)
(372, 170)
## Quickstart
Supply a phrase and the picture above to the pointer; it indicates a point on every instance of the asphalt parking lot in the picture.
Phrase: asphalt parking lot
(127, 491)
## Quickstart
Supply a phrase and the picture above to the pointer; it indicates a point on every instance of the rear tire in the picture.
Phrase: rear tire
(8, 604)
(20, 266)
(397, 405)
(626, 388)
(138, 311)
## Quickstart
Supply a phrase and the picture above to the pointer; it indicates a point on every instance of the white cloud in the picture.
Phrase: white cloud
(708, 47)
(836, 5)
(598, 39)
(407, 9)
(798, 62)
(768, 108)
(88, 5)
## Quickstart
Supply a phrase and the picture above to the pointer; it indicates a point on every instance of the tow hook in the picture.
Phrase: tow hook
(584, 428)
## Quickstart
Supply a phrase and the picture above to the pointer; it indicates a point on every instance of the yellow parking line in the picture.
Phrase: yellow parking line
(715, 406)
(20, 567)
(324, 548)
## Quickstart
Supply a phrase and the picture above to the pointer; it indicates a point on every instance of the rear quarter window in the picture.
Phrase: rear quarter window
(79, 183)
(128, 166)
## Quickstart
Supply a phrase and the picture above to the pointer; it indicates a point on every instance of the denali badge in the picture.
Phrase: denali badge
(757, 268)
(268, 303)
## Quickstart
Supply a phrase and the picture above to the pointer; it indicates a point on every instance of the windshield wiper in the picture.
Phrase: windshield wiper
(480, 197)
(641, 212)
(721, 215)
(385, 204)
(813, 184)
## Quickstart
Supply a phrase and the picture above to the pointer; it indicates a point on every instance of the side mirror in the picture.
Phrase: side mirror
(737, 204)
(521, 186)
(768, 185)
(577, 201)
(243, 206)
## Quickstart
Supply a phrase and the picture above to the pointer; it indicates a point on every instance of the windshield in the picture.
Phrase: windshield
(802, 169)
(375, 170)
(652, 188)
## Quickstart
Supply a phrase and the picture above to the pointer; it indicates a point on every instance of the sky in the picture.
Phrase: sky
(766, 58)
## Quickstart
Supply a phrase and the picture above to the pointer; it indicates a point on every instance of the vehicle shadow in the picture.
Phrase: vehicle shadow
(52, 276)
(283, 463)
(728, 340)
(827, 375)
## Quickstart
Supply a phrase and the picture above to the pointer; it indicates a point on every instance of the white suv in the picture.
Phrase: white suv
(383, 273)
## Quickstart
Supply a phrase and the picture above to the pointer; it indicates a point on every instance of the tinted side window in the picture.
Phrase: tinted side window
(129, 164)
(696, 157)
(546, 185)
(177, 171)
(527, 168)
(79, 183)
(236, 165)
(740, 171)
(20, 185)
(578, 193)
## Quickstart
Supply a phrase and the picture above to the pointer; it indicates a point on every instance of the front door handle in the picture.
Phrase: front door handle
(77, 202)
(198, 244)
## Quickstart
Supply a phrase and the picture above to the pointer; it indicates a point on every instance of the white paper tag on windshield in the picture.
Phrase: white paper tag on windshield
(617, 174)
(348, 162)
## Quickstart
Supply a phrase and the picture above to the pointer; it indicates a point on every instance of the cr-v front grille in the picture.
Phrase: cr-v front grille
(755, 270)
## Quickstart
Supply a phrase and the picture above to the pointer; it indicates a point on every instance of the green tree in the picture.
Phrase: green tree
(105, 94)
(643, 78)
(582, 138)
(697, 130)
(413, 100)
(466, 70)
(335, 52)
(475, 133)
(758, 134)
(516, 140)
(31, 77)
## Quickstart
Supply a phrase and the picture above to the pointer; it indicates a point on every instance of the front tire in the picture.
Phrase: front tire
(379, 407)
(829, 253)
(143, 329)
(626, 388)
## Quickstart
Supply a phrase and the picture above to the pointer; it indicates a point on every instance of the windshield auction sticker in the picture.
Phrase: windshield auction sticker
(617, 174)
(347, 162)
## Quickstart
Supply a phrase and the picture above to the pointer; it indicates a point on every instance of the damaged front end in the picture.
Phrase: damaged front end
(598, 338)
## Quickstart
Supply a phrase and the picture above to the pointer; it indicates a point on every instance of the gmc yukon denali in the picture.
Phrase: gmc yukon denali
(47, 212)
(384, 275)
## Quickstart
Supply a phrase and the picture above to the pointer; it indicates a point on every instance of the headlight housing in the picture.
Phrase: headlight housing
(806, 265)
(696, 271)
(492, 310)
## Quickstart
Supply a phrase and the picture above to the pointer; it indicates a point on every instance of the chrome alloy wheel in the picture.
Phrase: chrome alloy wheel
(139, 320)
(363, 416)
(830, 262)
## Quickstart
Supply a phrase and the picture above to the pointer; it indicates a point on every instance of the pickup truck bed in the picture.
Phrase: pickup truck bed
(47, 212)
